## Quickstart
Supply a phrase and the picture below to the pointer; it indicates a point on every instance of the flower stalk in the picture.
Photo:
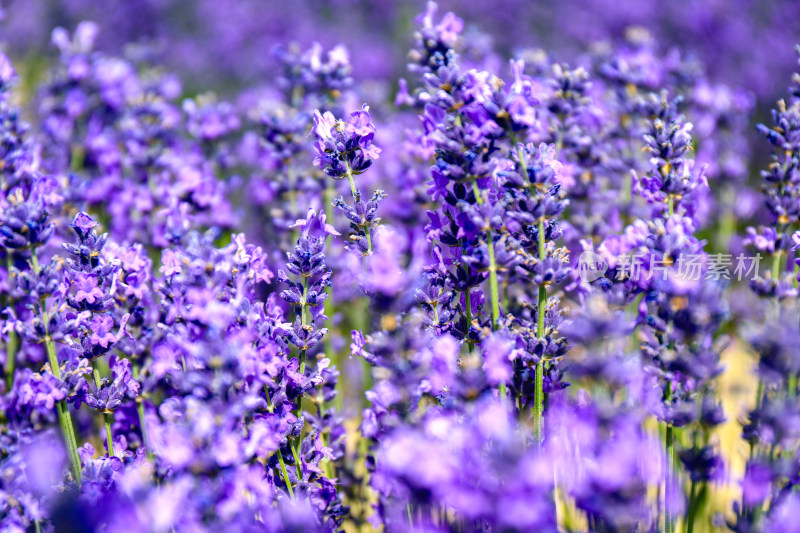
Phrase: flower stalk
(64, 417)
(107, 416)
(538, 394)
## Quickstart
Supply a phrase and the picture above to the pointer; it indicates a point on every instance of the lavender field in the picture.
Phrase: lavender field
(361, 265)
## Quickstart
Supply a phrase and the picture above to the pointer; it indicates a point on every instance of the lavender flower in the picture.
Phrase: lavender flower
(346, 149)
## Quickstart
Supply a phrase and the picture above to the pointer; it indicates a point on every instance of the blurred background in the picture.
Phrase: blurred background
(221, 45)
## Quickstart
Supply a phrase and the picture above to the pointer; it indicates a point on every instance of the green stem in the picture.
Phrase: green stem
(145, 440)
(11, 354)
(302, 367)
(64, 417)
(13, 340)
(540, 242)
(327, 463)
(436, 308)
(468, 312)
(477, 191)
(759, 393)
(494, 291)
(669, 520)
(302, 370)
(77, 156)
(669, 442)
(367, 371)
(692, 511)
(493, 288)
(670, 205)
(538, 405)
(369, 240)
(349, 173)
(106, 416)
(727, 226)
(626, 190)
(357, 197)
(538, 391)
(353, 190)
(140, 412)
(796, 280)
(468, 307)
(298, 463)
(297, 96)
(330, 308)
(494, 294)
(108, 419)
(776, 265)
(284, 473)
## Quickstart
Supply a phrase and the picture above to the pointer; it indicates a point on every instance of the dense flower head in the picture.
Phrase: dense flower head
(112, 391)
(282, 131)
(34, 392)
(210, 120)
(15, 147)
(314, 73)
(24, 223)
(344, 148)
(115, 124)
(440, 463)
(673, 178)
(435, 40)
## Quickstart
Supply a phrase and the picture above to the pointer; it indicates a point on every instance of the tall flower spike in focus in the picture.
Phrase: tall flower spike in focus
(672, 178)
(344, 150)
(781, 190)
(680, 307)
(531, 181)
(307, 292)
(773, 424)
(92, 284)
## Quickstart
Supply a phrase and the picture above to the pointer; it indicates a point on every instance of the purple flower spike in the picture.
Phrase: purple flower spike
(83, 224)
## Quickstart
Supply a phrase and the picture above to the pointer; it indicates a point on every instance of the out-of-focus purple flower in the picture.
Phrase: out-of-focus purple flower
(498, 354)
(315, 224)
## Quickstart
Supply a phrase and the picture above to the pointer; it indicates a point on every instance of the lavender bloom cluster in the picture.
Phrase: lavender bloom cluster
(327, 298)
